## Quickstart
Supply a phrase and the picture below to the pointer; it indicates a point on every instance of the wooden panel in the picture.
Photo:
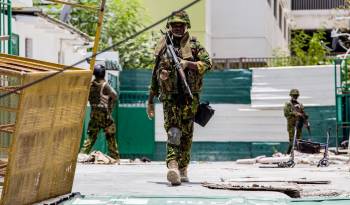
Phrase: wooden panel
(46, 140)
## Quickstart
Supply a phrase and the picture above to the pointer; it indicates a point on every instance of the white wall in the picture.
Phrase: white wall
(22, 3)
(243, 28)
(271, 86)
(263, 119)
(316, 19)
(46, 38)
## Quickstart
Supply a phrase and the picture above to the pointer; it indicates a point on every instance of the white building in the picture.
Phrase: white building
(41, 37)
(313, 15)
(247, 28)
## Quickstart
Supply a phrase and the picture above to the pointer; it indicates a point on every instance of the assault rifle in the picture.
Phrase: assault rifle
(171, 52)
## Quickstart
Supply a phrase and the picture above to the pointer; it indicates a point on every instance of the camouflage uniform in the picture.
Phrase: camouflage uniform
(179, 109)
(291, 110)
(101, 118)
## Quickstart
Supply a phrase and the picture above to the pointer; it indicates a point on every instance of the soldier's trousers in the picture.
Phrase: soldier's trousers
(291, 128)
(98, 121)
(180, 116)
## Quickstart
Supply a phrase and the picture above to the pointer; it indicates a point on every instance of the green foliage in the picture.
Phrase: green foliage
(86, 20)
(317, 52)
(305, 50)
(121, 19)
(308, 50)
(125, 18)
(298, 45)
(280, 58)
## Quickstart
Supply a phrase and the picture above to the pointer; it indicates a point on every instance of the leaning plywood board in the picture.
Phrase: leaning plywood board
(47, 131)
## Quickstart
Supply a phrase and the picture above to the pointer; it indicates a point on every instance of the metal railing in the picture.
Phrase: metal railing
(246, 63)
(317, 4)
(5, 26)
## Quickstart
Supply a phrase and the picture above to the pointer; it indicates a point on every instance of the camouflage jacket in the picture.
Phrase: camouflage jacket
(291, 110)
(190, 49)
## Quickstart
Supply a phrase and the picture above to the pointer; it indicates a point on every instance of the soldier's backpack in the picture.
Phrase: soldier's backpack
(307, 146)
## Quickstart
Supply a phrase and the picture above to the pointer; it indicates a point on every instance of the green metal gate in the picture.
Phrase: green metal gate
(136, 131)
(15, 44)
(342, 97)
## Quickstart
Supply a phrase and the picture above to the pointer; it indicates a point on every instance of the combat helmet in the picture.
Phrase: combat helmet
(99, 71)
(294, 92)
(179, 17)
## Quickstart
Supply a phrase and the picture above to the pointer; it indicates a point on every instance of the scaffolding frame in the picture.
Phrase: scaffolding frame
(342, 98)
(27, 181)
(6, 26)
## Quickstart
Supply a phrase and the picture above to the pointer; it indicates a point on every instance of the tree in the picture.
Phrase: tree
(122, 19)
(298, 45)
(307, 49)
(317, 52)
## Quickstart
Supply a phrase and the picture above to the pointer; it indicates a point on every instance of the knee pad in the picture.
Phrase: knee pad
(174, 136)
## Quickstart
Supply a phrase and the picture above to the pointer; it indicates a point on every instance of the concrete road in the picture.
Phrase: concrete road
(150, 179)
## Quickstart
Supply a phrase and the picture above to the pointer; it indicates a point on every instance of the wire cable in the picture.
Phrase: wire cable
(102, 51)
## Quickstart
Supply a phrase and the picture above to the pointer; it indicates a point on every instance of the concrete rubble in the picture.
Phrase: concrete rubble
(96, 157)
(300, 158)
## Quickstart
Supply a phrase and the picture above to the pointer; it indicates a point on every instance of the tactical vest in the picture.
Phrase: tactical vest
(172, 83)
(97, 98)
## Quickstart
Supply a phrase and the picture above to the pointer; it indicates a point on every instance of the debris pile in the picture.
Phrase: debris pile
(96, 157)
(300, 158)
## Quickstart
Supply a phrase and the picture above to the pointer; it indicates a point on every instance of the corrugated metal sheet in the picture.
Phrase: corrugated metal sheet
(228, 86)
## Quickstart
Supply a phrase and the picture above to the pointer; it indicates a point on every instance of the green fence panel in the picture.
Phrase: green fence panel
(321, 118)
(227, 86)
(135, 80)
(225, 151)
(136, 131)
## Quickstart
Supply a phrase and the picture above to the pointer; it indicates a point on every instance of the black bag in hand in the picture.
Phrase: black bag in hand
(204, 113)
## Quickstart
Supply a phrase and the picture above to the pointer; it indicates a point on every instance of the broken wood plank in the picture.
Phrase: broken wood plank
(288, 189)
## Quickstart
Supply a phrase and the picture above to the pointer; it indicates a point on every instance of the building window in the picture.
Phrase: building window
(275, 8)
(280, 16)
(28, 48)
(317, 4)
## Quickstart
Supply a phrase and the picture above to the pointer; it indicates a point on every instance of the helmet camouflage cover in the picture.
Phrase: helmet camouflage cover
(294, 92)
(179, 17)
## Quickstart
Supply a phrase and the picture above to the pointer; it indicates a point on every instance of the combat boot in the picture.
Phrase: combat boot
(173, 174)
(183, 175)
